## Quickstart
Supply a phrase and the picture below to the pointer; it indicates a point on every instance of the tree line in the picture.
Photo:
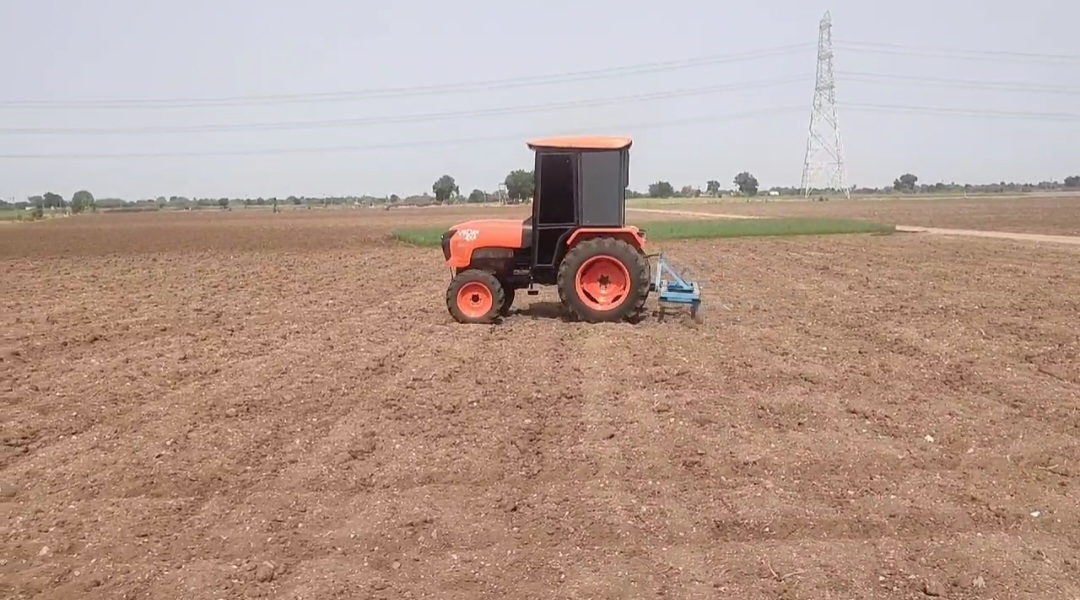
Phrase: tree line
(745, 184)
(518, 187)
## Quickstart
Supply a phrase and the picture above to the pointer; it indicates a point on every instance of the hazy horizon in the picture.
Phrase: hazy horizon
(752, 113)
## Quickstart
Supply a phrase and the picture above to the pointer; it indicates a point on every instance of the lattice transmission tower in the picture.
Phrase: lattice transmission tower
(823, 167)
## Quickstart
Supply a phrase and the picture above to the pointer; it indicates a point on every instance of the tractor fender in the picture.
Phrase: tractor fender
(630, 234)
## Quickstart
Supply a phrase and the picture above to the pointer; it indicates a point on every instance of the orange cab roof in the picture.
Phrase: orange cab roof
(590, 142)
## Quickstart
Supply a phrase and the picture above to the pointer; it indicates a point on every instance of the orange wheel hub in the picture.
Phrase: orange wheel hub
(475, 299)
(603, 283)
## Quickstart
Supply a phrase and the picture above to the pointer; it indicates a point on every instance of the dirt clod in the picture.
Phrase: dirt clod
(362, 445)
(932, 587)
(264, 572)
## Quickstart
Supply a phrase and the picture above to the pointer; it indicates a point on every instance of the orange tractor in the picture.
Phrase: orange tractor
(576, 239)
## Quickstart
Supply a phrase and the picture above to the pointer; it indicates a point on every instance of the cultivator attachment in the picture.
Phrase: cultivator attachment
(672, 288)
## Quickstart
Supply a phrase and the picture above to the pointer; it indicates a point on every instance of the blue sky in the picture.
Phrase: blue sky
(125, 49)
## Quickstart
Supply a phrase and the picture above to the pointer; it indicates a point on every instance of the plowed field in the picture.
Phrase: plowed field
(1054, 214)
(250, 405)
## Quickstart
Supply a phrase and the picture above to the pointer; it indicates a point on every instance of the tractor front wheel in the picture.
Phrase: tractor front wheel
(604, 280)
(475, 296)
(508, 302)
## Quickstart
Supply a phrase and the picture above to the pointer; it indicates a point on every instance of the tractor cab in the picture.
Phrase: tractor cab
(580, 184)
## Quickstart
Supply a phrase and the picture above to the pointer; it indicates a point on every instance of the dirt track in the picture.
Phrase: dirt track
(1001, 235)
(277, 406)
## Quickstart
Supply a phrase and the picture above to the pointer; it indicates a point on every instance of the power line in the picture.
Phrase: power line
(413, 144)
(543, 80)
(529, 81)
(1008, 86)
(986, 55)
(421, 90)
(336, 123)
(967, 112)
(534, 108)
(873, 108)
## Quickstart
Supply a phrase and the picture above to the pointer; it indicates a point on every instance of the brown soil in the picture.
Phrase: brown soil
(278, 406)
(1048, 214)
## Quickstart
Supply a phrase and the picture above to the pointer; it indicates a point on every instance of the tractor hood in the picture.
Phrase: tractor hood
(462, 238)
(500, 233)
(491, 225)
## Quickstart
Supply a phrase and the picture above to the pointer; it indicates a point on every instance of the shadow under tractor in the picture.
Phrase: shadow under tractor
(576, 239)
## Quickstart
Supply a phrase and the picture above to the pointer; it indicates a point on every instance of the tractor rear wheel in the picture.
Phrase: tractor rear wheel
(603, 280)
(475, 296)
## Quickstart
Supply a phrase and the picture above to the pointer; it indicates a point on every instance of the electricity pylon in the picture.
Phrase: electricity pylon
(823, 167)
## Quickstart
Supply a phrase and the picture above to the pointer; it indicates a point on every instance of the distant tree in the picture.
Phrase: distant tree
(712, 187)
(1072, 181)
(444, 188)
(38, 202)
(223, 203)
(747, 183)
(394, 199)
(520, 185)
(661, 189)
(906, 183)
(82, 200)
(477, 196)
(52, 200)
(689, 191)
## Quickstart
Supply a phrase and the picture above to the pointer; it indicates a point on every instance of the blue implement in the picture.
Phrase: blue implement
(671, 288)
